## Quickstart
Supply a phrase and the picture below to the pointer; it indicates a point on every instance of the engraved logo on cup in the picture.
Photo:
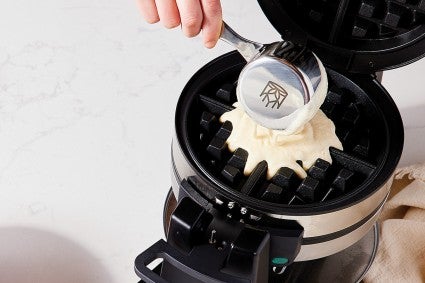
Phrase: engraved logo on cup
(274, 95)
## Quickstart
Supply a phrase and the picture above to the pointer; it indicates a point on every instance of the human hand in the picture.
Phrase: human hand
(193, 15)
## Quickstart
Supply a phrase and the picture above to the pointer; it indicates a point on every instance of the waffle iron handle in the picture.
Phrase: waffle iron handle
(204, 267)
(144, 259)
(191, 257)
(187, 259)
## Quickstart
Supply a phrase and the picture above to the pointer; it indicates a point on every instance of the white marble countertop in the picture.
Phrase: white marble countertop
(87, 98)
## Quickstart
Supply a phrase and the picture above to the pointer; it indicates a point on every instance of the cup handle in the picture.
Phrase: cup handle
(247, 48)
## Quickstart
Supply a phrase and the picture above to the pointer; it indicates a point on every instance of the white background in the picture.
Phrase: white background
(87, 98)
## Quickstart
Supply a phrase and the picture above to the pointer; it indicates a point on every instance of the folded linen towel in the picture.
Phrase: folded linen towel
(401, 252)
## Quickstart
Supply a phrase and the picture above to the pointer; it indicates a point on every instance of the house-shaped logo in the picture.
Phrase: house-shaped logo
(274, 95)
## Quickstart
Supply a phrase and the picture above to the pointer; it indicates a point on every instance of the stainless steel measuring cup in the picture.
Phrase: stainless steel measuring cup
(282, 86)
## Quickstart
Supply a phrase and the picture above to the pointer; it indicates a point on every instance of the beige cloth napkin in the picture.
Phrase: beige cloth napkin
(401, 252)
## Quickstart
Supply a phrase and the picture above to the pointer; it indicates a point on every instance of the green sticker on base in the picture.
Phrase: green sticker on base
(280, 260)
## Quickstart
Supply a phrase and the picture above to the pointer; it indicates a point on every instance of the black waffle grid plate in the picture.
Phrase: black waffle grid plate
(358, 131)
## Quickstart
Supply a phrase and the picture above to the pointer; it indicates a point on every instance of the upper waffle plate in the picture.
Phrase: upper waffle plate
(361, 36)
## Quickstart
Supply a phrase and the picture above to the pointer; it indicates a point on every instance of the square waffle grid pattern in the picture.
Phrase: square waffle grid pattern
(325, 181)
(359, 19)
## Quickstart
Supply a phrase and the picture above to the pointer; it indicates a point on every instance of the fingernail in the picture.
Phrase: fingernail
(210, 44)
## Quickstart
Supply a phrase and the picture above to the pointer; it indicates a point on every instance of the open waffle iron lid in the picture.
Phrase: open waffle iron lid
(357, 36)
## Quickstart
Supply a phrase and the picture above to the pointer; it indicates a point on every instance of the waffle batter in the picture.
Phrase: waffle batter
(278, 149)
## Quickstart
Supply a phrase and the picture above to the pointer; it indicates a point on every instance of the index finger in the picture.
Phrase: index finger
(211, 26)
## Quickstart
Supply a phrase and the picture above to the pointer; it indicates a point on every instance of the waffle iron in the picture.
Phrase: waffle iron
(222, 226)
